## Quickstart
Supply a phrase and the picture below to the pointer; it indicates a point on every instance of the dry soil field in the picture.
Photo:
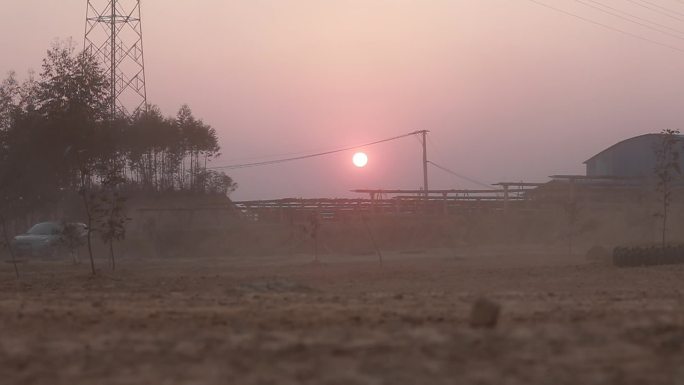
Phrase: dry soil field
(345, 320)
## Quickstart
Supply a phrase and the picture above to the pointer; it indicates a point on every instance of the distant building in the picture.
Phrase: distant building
(631, 158)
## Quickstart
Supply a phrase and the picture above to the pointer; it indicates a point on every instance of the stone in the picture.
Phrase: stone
(484, 314)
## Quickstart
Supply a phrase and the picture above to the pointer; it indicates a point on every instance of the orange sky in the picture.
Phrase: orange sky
(509, 89)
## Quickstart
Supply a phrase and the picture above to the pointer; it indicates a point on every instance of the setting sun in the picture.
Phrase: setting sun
(360, 159)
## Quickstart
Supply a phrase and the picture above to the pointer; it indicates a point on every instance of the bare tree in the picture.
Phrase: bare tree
(90, 203)
(572, 212)
(314, 227)
(8, 244)
(110, 213)
(71, 238)
(666, 170)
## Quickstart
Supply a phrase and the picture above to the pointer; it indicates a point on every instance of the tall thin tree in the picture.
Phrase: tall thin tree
(667, 169)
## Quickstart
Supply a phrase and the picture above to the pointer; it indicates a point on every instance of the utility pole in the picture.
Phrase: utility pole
(425, 165)
(113, 34)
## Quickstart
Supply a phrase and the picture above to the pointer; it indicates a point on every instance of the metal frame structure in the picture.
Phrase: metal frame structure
(113, 34)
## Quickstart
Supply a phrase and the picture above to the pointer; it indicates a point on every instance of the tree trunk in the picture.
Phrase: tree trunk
(89, 216)
(156, 171)
(9, 246)
(372, 238)
(111, 253)
(664, 239)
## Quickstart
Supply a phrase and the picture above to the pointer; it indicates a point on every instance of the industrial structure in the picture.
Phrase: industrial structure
(113, 34)
(620, 174)
(631, 158)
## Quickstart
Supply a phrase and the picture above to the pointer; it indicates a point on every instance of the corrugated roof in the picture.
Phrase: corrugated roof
(681, 137)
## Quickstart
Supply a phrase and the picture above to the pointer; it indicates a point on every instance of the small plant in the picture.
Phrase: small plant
(110, 212)
(572, 211)
(72, 238)
(314, 226)
(666, 170)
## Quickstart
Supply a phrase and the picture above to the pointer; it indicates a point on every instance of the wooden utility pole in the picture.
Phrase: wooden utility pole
(425, 164)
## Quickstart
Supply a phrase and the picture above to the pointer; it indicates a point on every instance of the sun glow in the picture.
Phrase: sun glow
(360, 159)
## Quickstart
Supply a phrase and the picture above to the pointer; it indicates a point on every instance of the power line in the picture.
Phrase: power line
(638, 17)
(246, 159)
(608, 26)
(477, 182)
(641, 4)
(632, 16)
(665, 9)
(277, 161)
(255, 158)
(436, 149)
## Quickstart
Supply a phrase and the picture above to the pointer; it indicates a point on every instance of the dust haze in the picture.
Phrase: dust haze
(205, 292)
(358, 192)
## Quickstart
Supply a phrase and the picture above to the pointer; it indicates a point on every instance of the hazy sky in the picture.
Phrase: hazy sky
(510, 90)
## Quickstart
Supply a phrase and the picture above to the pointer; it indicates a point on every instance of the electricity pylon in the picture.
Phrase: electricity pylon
(113, 34)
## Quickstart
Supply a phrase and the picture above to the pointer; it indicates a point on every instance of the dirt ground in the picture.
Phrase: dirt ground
(342, 320)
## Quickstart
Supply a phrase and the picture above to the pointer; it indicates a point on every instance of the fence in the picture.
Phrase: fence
(382, 202)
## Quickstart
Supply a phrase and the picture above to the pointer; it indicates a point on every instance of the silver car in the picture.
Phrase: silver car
(47, 239)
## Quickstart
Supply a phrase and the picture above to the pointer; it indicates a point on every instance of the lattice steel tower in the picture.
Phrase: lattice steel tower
(114, 35)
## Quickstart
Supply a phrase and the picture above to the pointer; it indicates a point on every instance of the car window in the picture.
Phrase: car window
(45, 228)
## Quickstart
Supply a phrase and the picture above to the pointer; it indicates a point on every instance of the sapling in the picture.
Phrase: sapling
(666, 170)
(111, 212)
